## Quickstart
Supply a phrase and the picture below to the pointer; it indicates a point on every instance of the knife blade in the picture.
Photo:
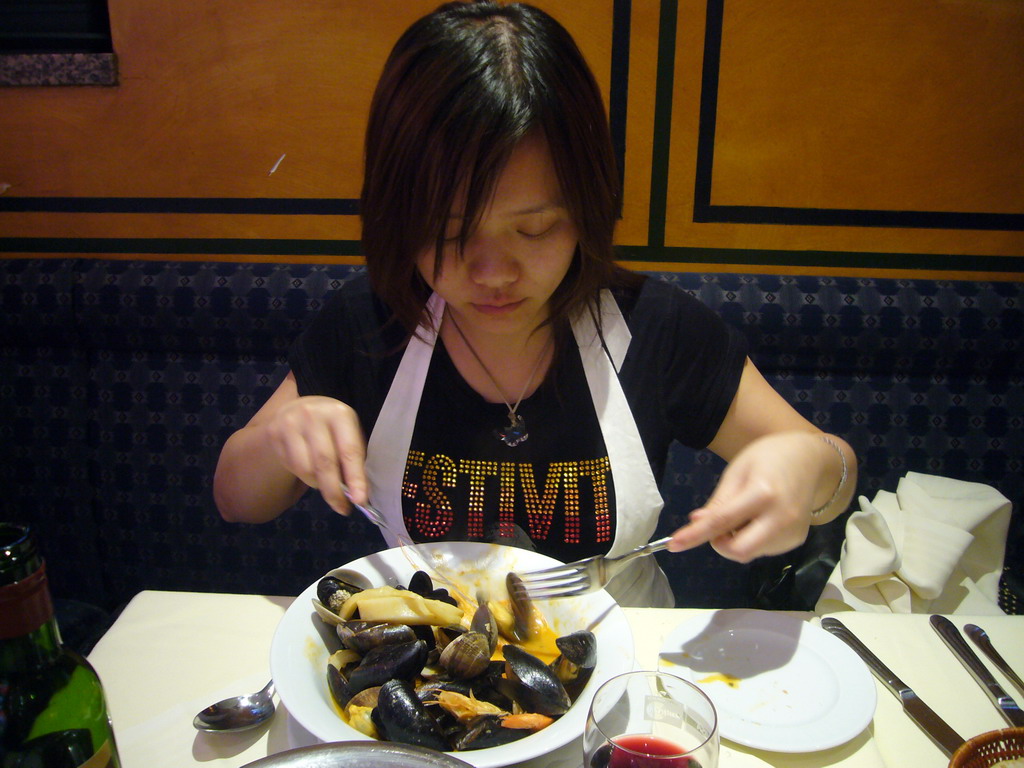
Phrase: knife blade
(935, 727)
(954, 640)
(980, 638)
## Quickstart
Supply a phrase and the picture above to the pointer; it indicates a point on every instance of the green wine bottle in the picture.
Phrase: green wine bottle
(52, 710)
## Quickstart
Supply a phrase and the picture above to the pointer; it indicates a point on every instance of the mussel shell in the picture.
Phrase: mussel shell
(483, 622)
(579, 647)
(366, 697)
(521, 605)
(445, 635)
(537, 688)
(332, 592)
(338, 686)
(345, 629)
(365, 640)
(401, 716)
(387, 662)
(577, 660)
(421, 583)
(425, 632)
(468, 655)
(487, 731)
(442, 594)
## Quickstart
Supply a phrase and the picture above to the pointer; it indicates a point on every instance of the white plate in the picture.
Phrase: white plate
(298, 656)
(777, 682)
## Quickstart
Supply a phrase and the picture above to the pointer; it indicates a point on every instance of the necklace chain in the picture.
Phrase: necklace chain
(515, 433)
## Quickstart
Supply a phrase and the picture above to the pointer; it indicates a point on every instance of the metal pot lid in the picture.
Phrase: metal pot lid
(359, 754)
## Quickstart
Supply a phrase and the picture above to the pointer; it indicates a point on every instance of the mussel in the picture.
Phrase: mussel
(332, 592)
(401, 661)
(575, 664)
(421, 583)
(537, 688)
(337, 684)
(366, 638)
(401, 716)
(484, 622)
(432, 682)
(522, 607)
(487, 731)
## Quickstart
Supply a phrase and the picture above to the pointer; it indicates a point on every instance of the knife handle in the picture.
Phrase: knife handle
(882, 672)
(954, 640)
(981, 639)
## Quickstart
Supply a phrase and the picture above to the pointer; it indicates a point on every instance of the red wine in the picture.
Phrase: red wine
(652, 746)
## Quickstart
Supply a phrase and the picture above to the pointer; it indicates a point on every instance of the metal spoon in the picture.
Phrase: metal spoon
(237, 713)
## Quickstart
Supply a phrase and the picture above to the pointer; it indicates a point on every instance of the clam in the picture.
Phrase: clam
(432, 682)
(468, 655)
(366, 697)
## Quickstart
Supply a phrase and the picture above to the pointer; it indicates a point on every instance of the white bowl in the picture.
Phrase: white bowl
(298, 655)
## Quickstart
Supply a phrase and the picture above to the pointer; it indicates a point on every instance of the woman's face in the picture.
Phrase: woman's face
(517, 254)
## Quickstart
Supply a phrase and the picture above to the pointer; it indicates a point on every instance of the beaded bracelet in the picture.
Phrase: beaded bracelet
(842, 480)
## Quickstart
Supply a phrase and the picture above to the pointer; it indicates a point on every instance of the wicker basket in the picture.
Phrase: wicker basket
(989, 749)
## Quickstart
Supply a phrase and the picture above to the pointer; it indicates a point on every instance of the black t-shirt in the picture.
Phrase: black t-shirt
(462, 483)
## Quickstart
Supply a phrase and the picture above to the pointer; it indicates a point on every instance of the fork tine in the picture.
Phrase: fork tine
(554, 580)
(582, 587)
(568, 569)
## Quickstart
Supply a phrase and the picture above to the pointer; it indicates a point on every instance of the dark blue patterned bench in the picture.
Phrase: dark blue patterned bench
(119, 380)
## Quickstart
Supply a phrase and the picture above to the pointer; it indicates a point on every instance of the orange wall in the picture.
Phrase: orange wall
(853, 137)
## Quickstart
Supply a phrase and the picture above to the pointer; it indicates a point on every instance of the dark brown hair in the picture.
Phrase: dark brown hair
(460, 89)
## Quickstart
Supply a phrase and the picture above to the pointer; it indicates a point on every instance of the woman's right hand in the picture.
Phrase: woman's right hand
(318, 439)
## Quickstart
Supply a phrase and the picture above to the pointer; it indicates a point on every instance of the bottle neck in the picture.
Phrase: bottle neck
(28, 629)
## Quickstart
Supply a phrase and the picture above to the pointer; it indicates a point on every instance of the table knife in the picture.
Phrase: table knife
(980, 638)
(944, 737)
(951, 637)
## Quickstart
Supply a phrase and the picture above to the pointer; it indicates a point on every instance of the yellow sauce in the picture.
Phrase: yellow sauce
(719, 677)
(541, 643)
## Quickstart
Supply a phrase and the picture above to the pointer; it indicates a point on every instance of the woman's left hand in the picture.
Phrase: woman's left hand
(762, 504)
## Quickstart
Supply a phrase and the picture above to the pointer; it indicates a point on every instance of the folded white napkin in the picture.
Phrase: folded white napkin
(934, 546)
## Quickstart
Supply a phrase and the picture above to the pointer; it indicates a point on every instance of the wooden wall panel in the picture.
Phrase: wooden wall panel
(784, 135)
(236, 119)
(858, 127)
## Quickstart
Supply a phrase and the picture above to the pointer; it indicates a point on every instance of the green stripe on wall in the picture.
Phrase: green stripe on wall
(213, 247)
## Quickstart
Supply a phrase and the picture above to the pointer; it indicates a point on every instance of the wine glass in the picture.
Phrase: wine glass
(650, 720)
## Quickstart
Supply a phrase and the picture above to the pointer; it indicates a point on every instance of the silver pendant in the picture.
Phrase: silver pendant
(515, 433)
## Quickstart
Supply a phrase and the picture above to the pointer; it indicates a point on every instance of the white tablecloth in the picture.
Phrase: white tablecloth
(172, 653)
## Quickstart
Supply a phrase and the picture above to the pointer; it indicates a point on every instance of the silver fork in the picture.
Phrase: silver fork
(376, 517)
(369, 511)
(583, 576)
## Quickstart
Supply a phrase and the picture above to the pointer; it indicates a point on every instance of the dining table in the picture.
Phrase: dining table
(170, 654)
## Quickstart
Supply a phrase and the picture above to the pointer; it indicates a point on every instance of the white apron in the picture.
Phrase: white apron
(638, 502)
